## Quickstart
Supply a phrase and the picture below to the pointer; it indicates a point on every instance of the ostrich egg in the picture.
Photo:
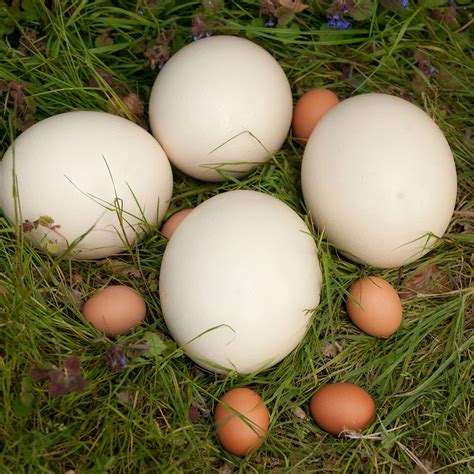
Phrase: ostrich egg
(238, 281)
(86, 182)
(379, 180)
(220, 102)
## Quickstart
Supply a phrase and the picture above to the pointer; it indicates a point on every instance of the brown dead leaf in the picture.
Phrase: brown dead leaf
(428, 280)
(226, 469)
(298, 412)
(329, 350)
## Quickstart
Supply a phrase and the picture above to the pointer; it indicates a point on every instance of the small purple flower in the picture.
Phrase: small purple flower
(116, 359)
(197, 37)
(269, 24)
(431, 70)
(405, 4)
(337, 23)
(140, 12)
(209, 33)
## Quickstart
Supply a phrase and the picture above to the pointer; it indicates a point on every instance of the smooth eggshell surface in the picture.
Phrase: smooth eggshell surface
(220, 100)
(378, 176)
(173, 222)
(342, 406)
(115, 310)
(242, 432)
(238, 281)
(374, 306)
(309, 110)
(98, 176)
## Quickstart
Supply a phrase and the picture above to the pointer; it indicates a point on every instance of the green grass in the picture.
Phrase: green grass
(137, 419)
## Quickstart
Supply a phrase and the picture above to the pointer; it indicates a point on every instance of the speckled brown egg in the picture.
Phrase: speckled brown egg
(374, 306)
(115, 310)
(339, 407)
(309, 110)
(173, 222)
(241, 431)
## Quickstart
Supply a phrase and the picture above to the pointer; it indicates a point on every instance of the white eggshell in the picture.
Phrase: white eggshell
(378, 177)
(238, 281)
(98, 176)
(220, 100)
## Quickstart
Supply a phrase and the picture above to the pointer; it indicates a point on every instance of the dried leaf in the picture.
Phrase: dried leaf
(103, 39)
(212, 5)
(73, 365)
(74, 296)
(362, 10)
(298, 412)
(329, 350)
(428, 280)
(226, 469)
(134, 104)
(28, 226)
(297, 6)
(65, 380)
(125, 397)
(194, 412)
(38, 374)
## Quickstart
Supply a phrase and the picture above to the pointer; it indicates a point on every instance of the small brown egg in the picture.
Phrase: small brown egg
(115, 310)
(309, 110)
(173, 222)
(239, 435)
(341, 406)
(374, 306)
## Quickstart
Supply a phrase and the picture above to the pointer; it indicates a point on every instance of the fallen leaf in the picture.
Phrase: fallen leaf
(64, 380)
(428, 280)
(296, 6)
(194, 412)
(226, 469)
(329, 350)
(125, 397)
(104, 39)
(299, 413)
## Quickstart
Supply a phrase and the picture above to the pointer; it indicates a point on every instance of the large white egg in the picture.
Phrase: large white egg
(101, 178)
(238, 281)
(379, 179)
(220, 101)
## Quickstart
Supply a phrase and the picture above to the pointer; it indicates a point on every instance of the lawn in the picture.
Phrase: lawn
(137, 403)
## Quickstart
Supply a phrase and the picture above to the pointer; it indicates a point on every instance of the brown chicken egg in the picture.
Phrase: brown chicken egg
(241, 431)
(309, 110)
(173, 222)
(342, 406)
(115, 310)
(374, 306)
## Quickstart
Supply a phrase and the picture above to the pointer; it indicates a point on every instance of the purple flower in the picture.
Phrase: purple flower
(405, 4)
(337, 23)
(116, 359)
(269, 23)
(140, 12)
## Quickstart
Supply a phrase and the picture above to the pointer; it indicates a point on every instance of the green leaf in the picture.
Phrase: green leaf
(52, 247)
(155, 345)
(26, 394)
(434, 3)
(20, 409)
(31, 12)
(363, 10)
(46, 221)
